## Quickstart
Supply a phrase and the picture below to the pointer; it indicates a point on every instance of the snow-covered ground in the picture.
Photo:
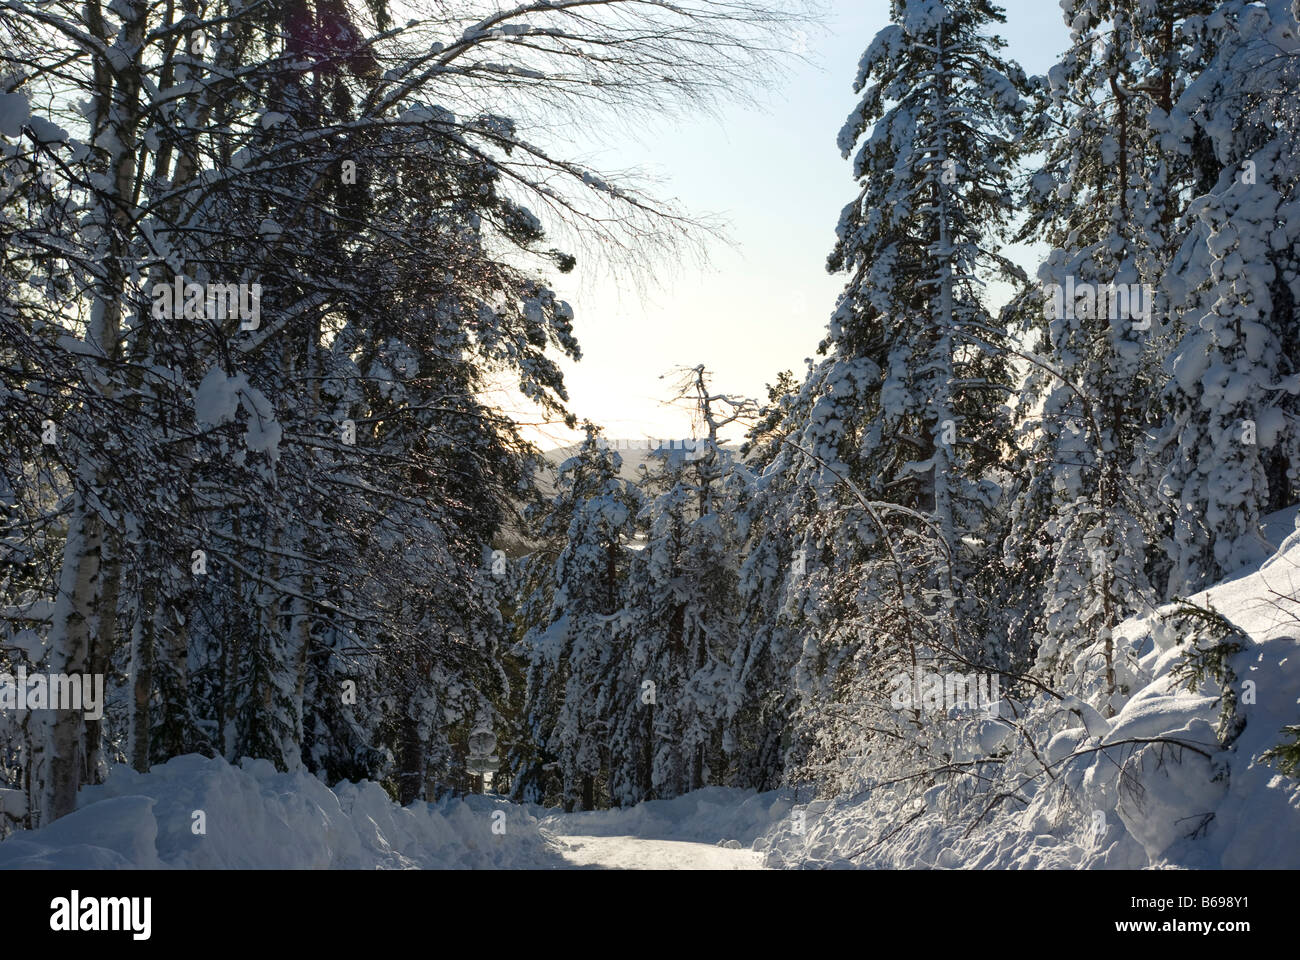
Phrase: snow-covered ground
(634, 853)
(1110, 797)
(1089, 792)
(710, 829)
(255, 817)
(712, 815)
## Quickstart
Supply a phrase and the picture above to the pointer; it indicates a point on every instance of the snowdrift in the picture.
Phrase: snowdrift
(259, 818)
(718, 815)
(1156, 785)
(1059, 785)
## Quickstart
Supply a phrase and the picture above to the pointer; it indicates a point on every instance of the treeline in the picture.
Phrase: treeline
(951, 489)
(260, 263)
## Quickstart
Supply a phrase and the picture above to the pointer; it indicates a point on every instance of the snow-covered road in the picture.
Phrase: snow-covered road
(635, 853)
(710, 829)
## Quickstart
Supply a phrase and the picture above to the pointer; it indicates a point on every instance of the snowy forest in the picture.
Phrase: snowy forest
(988, 581)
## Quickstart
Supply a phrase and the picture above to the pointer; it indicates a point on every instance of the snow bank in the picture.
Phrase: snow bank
(1061, 787)
(259, 818)
(719, 815)
(1152, 786)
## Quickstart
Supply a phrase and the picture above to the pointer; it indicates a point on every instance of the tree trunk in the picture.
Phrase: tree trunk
(116, 116)
(648, 755)
(142, 655)
(102, 642)
(59, 776)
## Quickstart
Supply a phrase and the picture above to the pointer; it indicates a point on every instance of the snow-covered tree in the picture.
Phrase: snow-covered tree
(1107, 199)
(569, 619)
(1229, 442)
(250, 498)
(679, 628)
(763, 706)
(885, 470)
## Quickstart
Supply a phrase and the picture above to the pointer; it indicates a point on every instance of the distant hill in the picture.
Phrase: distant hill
(634, 453)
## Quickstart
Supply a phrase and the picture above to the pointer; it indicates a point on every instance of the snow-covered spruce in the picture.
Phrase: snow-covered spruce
(875, 494)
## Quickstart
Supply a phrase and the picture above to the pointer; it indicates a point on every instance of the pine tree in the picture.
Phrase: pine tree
(1107, 199)
(1227, 444)
(761, 713)
(568, 622)
(679, 629)
(887, 469)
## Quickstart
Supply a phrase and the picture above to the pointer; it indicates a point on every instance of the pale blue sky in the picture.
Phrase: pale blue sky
(773, 173)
